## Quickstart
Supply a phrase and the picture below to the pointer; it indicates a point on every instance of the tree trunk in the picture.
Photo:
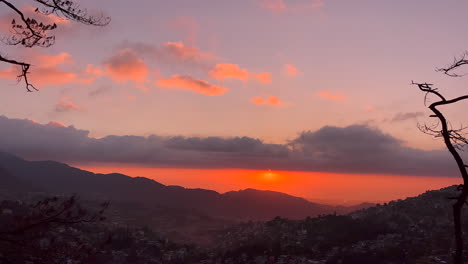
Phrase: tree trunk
(457, 208)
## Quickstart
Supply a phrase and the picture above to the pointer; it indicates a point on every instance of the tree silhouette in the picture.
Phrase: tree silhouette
(29, 32)
(455, 140)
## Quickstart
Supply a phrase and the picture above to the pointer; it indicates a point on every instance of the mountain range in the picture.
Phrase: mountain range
(17, 174)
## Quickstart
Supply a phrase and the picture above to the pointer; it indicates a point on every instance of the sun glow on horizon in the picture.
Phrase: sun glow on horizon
(331, 188)
(270, 175)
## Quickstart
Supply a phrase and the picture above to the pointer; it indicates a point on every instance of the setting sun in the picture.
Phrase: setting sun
(269, 175)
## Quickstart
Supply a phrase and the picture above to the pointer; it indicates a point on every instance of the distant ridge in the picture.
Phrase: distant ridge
(59, 178)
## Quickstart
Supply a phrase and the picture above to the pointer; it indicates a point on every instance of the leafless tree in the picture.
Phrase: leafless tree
(454, 139)
(29, 32)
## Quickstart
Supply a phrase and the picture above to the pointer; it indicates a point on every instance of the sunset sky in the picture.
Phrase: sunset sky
(308, 97)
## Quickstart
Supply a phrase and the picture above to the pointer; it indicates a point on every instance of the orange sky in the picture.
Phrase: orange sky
(331, 188)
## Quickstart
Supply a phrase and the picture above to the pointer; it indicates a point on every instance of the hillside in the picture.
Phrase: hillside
(414, 230)
(58, 178)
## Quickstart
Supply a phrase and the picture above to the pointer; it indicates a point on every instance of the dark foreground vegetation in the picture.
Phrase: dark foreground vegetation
(415, 230)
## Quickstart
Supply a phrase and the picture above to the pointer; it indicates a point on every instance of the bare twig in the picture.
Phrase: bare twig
(29, 32)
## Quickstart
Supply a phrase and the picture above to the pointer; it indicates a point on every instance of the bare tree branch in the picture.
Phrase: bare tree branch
(454, 140)
(24, 72)
(31, 33)
(457, 63)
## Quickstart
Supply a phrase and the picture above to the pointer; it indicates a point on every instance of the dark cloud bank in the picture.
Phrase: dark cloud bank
(352, 149)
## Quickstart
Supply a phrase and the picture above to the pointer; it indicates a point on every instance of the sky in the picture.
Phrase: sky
(223, 91)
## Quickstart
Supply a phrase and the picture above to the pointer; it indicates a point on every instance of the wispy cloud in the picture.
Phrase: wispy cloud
(274, 5)
(66, 105)
(47, 70)
(285, 5)
(332, 96)
(229, 71)
(291, 70)
(226, 71)
(173, 53)
(263, 77)
(125, 66)
(187, 82)
(56, 124)
(271, 100)
(400, 117)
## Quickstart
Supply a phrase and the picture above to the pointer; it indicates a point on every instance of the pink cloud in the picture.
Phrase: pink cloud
(172, 53)
(56, 124)
(271, 100)
(124, 66)
(46, 70)
(186, 82)
(41, 76)
(93, 70)
(9, 73)
(229, 71)
(49, 19)
(225, 71)
(274, 5)
(51, 76)
(46, 60)
(281, 6)
(338, 97)
(264, 77)
(184, 52)
(65, 105)
(30, 11)
(291, 70)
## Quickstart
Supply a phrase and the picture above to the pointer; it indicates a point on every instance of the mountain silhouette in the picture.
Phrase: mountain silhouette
(59, 178)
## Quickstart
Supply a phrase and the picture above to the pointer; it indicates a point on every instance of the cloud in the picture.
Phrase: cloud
(278, 6)
(181, 54)
(291, 71)
(338, 97)
(65, 105)
(93, 70)
(362, 149)
(185, 53)
(9, 73)
(47, 70)
(49, 19)
(124, 66)
(56, 124)
(177, 53)
(400, 117)
(225, 71)
(274, 5)
(264, 77)
(352, 149)
(46, 60)
(229, 71)
(41, 77)
(272, 100)
(187, 82)
(29, 11)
